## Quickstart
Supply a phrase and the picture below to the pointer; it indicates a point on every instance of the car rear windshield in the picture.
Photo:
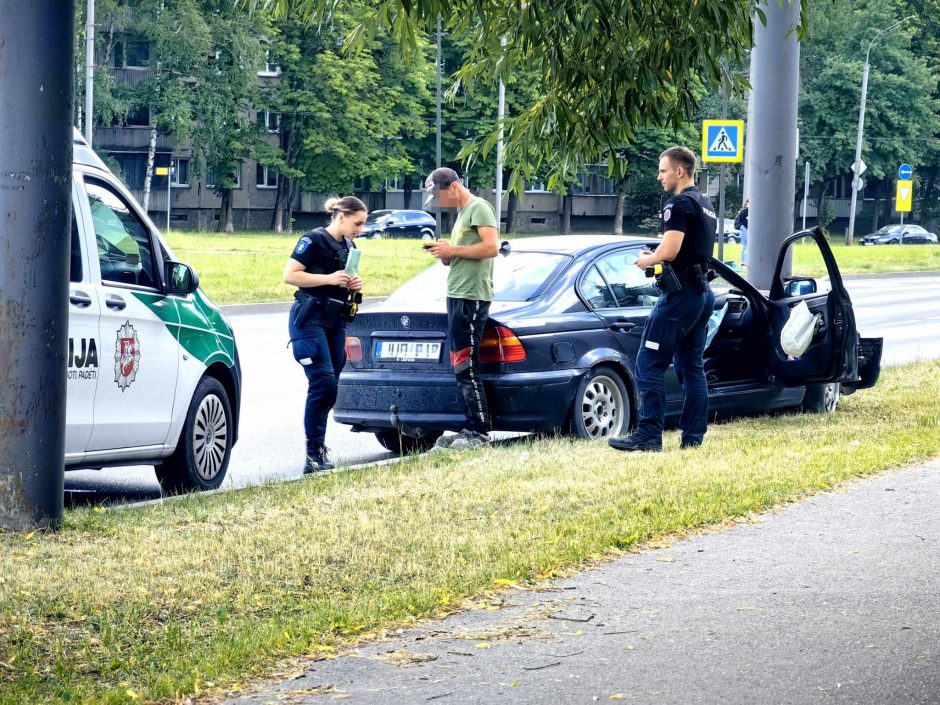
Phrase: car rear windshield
(520, 276)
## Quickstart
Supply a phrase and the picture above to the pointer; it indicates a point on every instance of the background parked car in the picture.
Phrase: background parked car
(559, 351)
(400, 224)
(900, 235)
(731, 232)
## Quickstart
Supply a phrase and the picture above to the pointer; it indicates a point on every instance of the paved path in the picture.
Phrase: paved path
(831, 600)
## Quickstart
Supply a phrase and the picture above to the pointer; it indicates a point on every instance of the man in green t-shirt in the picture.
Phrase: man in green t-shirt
(473, 244)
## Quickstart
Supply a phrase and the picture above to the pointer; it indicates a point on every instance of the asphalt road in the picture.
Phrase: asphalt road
(832, 600)
(903, 310)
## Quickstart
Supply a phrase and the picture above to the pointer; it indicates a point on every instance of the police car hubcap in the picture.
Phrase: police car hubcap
(602, 407)
(210, 437)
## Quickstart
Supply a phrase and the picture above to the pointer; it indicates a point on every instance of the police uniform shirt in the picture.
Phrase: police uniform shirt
(691, 213)
(319, 253)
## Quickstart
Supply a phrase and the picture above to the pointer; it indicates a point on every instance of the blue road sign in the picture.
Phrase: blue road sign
(722, 140)
(905, 172)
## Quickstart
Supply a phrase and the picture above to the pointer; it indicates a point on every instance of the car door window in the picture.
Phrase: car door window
(125, 250)
(75, 258)
(593, 288)
(807, 263)
(629, 283)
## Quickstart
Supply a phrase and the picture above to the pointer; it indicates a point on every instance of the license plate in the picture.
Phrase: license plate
(408, 350)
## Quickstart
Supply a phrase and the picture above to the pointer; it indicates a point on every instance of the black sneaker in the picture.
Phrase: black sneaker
(469, 439)
(633, 443)
(690, 444)
(318, 462)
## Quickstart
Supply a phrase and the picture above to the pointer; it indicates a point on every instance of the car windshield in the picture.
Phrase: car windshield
(889, 230)
(375, 216)
(521, 276)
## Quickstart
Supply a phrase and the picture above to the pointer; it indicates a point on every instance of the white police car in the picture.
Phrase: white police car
(153, 372)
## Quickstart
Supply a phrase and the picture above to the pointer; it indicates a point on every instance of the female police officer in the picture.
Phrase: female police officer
(317, 322)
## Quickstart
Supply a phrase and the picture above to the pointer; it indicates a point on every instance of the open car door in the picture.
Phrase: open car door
(833, 354)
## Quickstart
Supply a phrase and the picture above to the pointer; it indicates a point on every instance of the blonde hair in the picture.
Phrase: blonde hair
(346, 206)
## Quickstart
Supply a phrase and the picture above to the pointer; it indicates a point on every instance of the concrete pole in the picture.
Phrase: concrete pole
(858, 153)
(500, 114)
(722, 172)
(38, 75)
(89, 71)
(775, 72)
(805, 194)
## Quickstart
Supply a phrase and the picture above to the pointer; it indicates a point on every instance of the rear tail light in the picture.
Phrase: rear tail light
(353, 349)
(499, 344)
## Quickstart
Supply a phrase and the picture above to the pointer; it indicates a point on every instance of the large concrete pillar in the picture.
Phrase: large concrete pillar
(771, 153)
(36, 79)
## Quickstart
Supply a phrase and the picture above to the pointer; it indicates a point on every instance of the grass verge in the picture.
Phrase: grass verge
(247, 267)
(156, 603)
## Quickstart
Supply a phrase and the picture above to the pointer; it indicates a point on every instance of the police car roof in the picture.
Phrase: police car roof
(83, 154)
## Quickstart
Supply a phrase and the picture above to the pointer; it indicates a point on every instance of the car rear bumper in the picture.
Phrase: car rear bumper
(522, 401)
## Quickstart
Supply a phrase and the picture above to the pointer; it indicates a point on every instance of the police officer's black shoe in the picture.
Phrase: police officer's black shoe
(317, 462)
(690, 444)
(633, 443)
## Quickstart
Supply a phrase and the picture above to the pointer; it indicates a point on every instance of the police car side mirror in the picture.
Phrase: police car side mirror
(181, 279)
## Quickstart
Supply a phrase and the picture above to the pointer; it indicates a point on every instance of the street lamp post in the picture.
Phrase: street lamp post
(857, 164)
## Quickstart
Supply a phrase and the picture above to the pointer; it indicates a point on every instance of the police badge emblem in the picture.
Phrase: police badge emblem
(126, 356)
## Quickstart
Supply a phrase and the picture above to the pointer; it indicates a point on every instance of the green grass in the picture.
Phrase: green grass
(206, 593)
(247, 268)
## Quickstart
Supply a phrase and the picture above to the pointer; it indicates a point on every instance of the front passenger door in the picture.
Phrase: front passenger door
(833, 353)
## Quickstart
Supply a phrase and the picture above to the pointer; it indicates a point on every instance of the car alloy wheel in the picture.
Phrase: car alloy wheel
(601, 408)
(427, 234)
(210, 437)
(822, 398)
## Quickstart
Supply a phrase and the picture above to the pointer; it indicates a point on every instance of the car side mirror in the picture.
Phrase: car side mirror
(181, 279)
(800, 286)
(505, 248)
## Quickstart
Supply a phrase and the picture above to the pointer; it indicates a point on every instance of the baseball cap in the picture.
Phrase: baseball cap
(437, 180)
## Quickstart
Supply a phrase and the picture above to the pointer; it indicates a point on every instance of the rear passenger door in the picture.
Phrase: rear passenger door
(83, 367)
(136, 389)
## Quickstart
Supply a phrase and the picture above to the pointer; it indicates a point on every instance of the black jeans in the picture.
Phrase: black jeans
(321, 351)
(675, 333)
(465, 322)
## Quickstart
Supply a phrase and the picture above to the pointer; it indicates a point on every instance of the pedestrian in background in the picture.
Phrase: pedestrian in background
(676, 329)
(469, 254)
(740, 222)
(318, 317)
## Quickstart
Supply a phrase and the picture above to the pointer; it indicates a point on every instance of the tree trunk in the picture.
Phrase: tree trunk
(151, 155)
(281, 201)
(408, 187)
(566, 215)
(226, 214)
(621, 202)
(511, 209)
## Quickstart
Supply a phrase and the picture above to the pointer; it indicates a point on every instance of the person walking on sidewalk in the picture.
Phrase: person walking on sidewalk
(318, 317)
(469, 254)
(740, 222)
(675, 330)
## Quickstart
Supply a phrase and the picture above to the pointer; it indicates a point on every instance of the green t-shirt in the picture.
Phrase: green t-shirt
(471, 278)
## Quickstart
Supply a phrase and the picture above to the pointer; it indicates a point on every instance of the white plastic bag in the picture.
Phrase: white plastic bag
(798, 331)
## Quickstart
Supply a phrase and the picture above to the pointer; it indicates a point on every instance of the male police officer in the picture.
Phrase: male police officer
(675, 331)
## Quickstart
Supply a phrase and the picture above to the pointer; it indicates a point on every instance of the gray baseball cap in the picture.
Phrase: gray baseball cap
(437, 180)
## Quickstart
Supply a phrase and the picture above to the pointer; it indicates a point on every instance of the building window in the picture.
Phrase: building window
(132, 54)
(269, 120)
(180, 172)
(535, 186)
(133, 167)
(138, 117)
(266, 177)
(271, 68)
(213, 177)
(393, 184)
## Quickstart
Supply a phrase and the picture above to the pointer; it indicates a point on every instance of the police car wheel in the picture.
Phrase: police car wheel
(601, 406)
(200, 460)
(821, 398)
(409, 444)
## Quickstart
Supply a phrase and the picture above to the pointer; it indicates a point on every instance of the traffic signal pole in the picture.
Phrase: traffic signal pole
(37, 39)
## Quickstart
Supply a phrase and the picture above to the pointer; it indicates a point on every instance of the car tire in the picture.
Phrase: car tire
(426, 234)
(601, 407)
(200, 460)
(821, 398)
(406, 445)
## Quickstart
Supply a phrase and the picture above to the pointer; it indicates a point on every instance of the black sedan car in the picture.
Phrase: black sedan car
(558, 353)
(399, 224)
(900, 235)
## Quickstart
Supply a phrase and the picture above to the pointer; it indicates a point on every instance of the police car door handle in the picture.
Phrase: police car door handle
(115, 302)
(622, 325)
(79, 298)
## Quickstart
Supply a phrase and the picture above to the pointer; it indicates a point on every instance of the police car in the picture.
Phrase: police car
(153, 372)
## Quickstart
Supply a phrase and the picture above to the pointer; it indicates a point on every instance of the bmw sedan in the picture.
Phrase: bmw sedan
(399, 224)
(900, 235)
(559, 352)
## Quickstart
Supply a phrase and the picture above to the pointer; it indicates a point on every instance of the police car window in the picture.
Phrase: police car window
(124, 247)
(629, 283)
(75, 264)
(595, 291)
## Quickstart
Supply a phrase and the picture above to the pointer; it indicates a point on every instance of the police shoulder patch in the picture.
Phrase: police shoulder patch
(302, 245)
(667, 214)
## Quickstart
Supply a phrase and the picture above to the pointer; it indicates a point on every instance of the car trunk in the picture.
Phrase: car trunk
(393, 340)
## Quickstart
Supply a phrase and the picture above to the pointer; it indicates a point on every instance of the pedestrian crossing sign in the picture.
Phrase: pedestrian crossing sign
(722, 140)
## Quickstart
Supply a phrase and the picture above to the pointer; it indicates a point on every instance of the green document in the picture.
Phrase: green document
(352, 263)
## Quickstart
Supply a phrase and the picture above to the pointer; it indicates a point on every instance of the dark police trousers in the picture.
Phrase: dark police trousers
(465, 321)
(320, 348)
(675, 332)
